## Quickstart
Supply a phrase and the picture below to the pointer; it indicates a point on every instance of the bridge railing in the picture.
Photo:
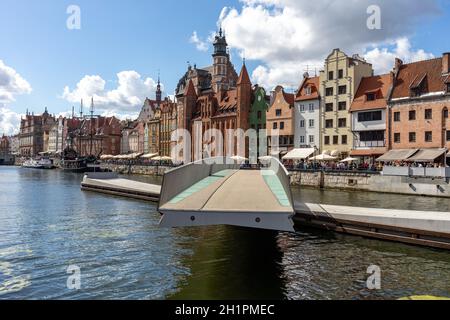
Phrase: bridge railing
(179, 179)
(283, 175)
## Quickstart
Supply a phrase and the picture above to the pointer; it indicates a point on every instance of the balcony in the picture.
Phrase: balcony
(369, 144)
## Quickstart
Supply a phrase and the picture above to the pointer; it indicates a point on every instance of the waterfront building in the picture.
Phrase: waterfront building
(280, 122)
(154, 130)
(167, 127)
(14, 144)
(214, 98)
(369, 117)
(419, 105)
(338, 84)
(56, 139)
(307, 114)
(258, 121)
(34, 132)
(4, 145)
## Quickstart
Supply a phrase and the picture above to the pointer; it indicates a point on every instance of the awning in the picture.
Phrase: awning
(427, 155)
(397, 155)
(299, 154)
(368, 152)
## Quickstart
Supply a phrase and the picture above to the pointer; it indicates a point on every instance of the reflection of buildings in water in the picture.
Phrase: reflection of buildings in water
(231, 263)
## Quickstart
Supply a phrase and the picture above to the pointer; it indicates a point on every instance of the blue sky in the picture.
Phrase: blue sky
(147, 36)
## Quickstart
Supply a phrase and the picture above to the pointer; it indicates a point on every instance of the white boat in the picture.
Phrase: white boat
(38, 164)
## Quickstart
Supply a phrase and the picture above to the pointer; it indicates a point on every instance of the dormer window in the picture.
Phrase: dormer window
(370, 96)
(308, 91)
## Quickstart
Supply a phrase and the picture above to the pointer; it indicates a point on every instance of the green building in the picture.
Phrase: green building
(257, 119)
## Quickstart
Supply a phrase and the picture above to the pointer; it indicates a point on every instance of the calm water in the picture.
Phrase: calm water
(48, 224)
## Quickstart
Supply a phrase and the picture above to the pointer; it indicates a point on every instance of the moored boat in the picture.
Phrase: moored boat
(38, 164)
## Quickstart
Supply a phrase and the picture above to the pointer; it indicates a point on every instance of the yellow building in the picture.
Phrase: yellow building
(338, 84)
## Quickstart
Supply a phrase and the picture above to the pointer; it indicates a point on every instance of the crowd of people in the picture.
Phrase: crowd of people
(333, 166)
(414, 164)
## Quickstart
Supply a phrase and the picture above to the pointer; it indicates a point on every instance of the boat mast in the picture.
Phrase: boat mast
(90, 126)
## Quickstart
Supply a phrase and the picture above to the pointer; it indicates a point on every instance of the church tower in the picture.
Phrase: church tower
(221, 62)
(158, 92)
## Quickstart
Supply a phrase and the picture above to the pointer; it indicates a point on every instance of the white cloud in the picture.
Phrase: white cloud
(11, 84)
(287, 35)
(199, 43)
(9, 121)
(128, 97)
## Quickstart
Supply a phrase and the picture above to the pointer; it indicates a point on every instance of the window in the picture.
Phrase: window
(302, 108)
(428, 114)
(329, 123)
(342, 123)
(275, 126)
(396, 116)
(330, 75)
(342, 106)
(302, 123)
(448, 87)
(341, 74)
(370, 97)
(335, 139)
(428, 136)
(370, 116)
(397, 137)
(344, 139)
(329, 92)
(278, 112)
(445, 113)
(412, 115)
(448, 135)
(282, 125)
(311, 123)
(302, 139)
(329, 107)
(327, 140)
(311, 139)
(342, 89)
(308, 91)
(259, 115)
(368, 136)
(412, 137)
(311, 107)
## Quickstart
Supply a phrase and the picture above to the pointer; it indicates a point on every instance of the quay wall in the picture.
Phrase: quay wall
(372, 182)
(136, 169)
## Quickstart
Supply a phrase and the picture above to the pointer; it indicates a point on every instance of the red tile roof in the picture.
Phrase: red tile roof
(413, 74)
(244, 77)
(378, 85)
(312, 83)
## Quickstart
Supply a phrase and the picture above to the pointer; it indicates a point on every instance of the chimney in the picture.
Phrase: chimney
(446, 63)
(398, 64)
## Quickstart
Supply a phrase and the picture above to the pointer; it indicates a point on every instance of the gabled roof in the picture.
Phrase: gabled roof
(412, 75)
(308, 82)
(378, 85)
(244, 77)
(190, 90)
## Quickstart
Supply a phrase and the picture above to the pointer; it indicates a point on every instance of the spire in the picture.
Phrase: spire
(81, 109)
(158, 91)
(244, 78)
(190, 90)
(92, 106)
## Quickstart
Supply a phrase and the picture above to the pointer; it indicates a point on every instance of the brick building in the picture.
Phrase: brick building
(34, 133)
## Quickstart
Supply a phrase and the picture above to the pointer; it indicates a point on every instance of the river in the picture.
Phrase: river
(47, 224)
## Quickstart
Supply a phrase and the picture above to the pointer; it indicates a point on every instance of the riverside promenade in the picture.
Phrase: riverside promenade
(424, 228)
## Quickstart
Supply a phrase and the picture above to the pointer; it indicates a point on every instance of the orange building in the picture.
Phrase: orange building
(280, 121)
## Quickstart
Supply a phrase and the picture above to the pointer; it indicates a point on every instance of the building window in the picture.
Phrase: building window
(302, 108)
(311, 123)
(448, 135)
(368, 136)
(278, 112)
(428, 114)
(341, 74)
(327, 140)
(328, 124)
(308, 91)
(330, 75)
(397, 116)
(302, 123)
(281, 125)
(342, 106)
(342, 123)
(397, 137)
(329, 92)
(329, 107)
(259, 115)
(275, 125)
(428, 136)
(302, 139)
(448, 87)
(311, 107)
(412, 137)
(311, 139)
(342, 89)
(344, 139)
(335, 139)
(412, 115)
(445, 113)
(370, 116)
(370, 97)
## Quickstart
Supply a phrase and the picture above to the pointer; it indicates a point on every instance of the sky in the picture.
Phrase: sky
(121, 46)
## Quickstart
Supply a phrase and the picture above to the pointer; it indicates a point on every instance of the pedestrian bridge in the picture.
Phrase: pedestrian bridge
(217, 192)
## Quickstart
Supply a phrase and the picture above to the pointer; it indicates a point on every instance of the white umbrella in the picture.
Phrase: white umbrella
(239, 158)
(265, 159)
(349, 159)
(149, 155)
(323, 157)
(162, 158)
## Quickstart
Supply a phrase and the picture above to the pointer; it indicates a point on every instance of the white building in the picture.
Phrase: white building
(56, 137)
(307, 114)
